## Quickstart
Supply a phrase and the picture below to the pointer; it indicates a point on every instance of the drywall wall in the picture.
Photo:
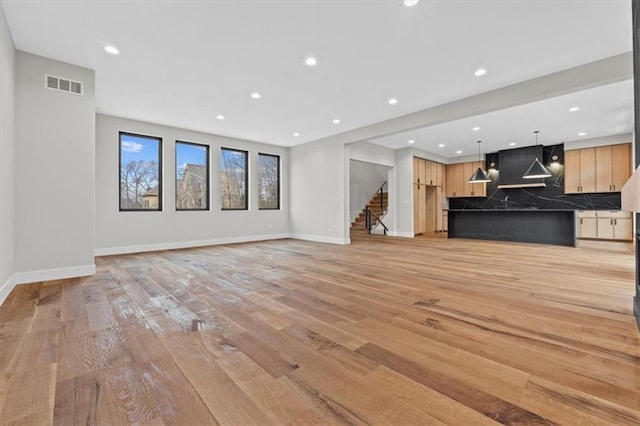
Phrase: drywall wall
(7, 156)
(122, 232)
(318, 182)
(591, 142)
(364, 180)
(403, 219)
(636, 95)
(54, 163)
(435, 157)
(371, 153)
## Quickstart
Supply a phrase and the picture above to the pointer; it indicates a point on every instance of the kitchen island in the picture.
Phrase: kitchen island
(554, 226)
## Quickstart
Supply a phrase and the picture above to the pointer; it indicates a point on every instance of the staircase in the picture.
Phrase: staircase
(378, 205)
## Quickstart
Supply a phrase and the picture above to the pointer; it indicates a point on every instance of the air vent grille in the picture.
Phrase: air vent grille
(63, 84)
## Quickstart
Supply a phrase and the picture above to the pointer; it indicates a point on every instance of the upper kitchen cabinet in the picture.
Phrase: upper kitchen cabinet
(419, 171)
(457, 180)
(580, 171)
(613, 167)
(601, 169)
(427, 172)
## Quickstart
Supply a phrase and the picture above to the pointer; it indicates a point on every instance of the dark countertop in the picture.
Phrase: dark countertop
(511, 210)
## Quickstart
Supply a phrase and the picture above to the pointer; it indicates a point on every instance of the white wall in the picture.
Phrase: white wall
(319, 202)
(372, 153)
(403, 223)
(435, 157)
(121, 232)
(7, 156)
(364, 180)
(602, 141)
(55, 140)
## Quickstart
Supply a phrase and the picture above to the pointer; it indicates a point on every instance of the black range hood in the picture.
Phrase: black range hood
(513, 165)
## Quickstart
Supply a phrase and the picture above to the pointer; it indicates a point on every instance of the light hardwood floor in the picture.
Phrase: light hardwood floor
(385, 331)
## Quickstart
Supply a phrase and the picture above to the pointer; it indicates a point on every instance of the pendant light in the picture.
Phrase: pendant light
(480, 176)
(537, 169)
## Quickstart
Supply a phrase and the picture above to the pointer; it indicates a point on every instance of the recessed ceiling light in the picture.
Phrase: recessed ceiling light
(296, 134)
(411, 2)
(336, 121)
(393, 101)
(311, 61)
(512, 144)
(220, 117)
(479, 72)
(412, 141)
(458, 152)
(256, 95)
(574, 109)
(112, 49)
(475, 129)
(441, 145)
(582, 134)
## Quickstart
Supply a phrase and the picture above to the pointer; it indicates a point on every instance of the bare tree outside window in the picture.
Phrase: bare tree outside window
(233, 179)
(268, 182)
(140, 172)
(192, 176)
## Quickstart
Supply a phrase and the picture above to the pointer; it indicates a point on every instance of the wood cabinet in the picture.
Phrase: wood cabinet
(587, 225)
(427, 172)
(419, 209)
(457, 180)
(623, 229)
(440, 174)
(580, 171)
(572, 171)
(440, 205)
(419, 170)
(605, 225)
(613, 167)
(428, 195)
(454, 185)
(600, 169)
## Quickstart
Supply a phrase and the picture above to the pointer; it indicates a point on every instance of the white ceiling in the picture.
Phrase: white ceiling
(184, 62)
(605, 110)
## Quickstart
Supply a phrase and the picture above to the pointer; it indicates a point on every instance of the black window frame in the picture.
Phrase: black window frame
(207, 178)
(264, 154)
(246, 178)
(139, 135)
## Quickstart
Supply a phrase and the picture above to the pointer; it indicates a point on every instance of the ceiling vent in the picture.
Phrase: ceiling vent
(63, 84)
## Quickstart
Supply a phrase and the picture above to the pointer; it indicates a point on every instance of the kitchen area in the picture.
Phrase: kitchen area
(579, 198)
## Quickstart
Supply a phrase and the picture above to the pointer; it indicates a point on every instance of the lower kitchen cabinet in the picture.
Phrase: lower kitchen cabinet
(605, 225)
(587, 224)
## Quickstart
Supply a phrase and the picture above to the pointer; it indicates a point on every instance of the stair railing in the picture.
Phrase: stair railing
(369, 223)
(381, 192)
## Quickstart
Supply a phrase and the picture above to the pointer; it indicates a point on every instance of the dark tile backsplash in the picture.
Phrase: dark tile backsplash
(550, 197)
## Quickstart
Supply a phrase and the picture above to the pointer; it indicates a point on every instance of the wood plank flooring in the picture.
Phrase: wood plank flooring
(384, 331)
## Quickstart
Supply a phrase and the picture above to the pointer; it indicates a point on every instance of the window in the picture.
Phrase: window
(140, 172)
(233, 179)
(192, 176)
(268, 182)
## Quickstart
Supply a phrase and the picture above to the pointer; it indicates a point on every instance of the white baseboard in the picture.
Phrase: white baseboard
(53, 274)
(321, 239)
(44, 275)
(110, 251)
(402, 234)
(6, 288)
